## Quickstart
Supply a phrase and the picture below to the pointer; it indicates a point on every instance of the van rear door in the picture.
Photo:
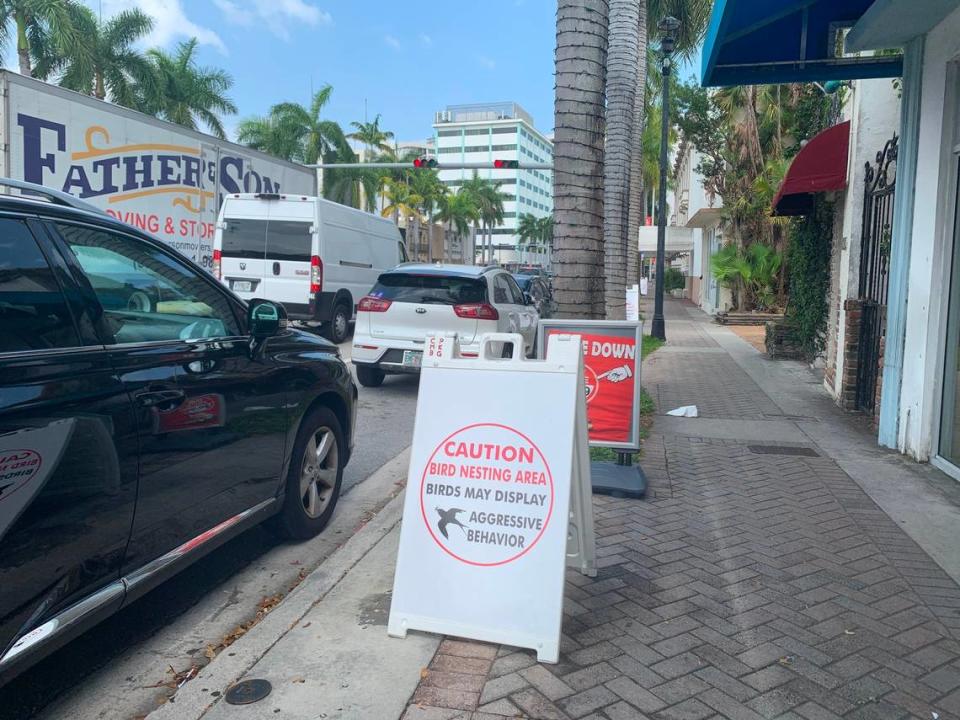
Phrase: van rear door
(286, 276)
(243, 247)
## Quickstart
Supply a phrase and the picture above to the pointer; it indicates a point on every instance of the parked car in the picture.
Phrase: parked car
(315, 256)
(414, 300)
(537, 289)
(135, 438)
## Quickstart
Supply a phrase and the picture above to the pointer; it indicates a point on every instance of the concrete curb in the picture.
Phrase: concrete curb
(194, 699)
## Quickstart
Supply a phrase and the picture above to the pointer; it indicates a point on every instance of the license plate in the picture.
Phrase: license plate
(242, 286)
(412, 358)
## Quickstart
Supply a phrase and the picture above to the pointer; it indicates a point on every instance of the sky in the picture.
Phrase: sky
(404, 61)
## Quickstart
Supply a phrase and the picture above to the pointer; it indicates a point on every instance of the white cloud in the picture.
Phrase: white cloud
(171, 23)
(235, 14)
(278, 16)
(392, 41)
(488, 63)
(425, 40)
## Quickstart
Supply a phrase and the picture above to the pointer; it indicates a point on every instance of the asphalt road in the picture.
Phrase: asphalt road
(112, 671)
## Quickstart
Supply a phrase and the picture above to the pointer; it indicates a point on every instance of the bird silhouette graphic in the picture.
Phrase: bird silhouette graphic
(449, 517)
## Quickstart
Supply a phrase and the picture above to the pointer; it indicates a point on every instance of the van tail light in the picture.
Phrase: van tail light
(217, 257)
(316, 274)
(477, 311)
(373, 304)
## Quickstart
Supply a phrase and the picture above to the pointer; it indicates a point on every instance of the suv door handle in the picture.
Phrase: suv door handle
(165, 399)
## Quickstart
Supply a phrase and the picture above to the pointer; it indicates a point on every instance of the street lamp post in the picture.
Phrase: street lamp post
(668, 28)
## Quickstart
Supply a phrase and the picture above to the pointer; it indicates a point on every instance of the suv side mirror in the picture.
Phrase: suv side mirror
(265, 318)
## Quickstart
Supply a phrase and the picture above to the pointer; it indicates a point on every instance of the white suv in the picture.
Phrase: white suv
(414, 300)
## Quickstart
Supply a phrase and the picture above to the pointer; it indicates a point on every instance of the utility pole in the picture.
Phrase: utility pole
(668, 28)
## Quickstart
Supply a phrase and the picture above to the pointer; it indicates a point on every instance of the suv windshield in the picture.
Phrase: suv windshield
(445, 290)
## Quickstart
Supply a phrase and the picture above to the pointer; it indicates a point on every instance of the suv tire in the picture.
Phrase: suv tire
(338, 329)
(314, 476)
(369, 376)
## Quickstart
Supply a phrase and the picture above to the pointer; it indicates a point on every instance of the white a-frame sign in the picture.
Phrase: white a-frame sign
(498, 495)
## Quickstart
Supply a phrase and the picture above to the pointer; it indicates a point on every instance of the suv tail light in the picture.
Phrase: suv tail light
(373, 304)
(217, 256)
(477, 311)
(316, 274)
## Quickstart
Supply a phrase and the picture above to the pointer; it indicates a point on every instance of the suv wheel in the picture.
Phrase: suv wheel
(339, 326)
(313, 481)
(369, 376)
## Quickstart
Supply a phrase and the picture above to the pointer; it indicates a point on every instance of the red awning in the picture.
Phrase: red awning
(821, 166)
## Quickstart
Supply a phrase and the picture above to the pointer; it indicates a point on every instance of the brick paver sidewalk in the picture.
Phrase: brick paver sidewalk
(750, 584)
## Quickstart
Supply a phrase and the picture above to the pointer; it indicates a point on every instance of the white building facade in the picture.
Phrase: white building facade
(483, 133)
(920, 403)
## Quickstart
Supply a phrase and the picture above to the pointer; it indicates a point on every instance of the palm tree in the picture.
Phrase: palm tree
(370, 134)
(545, 234)
(107, 64)
(427, 185)
(529, 230)
(187, 94)
(399, 200)
(622, 55)
(295, 132)
(489, 200)
(50, 24)
(458, 211)
(581, 59)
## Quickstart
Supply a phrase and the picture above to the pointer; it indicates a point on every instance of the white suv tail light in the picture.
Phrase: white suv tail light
(477, 311)
(373, 304)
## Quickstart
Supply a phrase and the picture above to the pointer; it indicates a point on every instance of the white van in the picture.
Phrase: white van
(316, 257)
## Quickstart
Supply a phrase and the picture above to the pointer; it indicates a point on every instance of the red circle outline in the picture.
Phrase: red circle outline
(423, 512)
(37, 469)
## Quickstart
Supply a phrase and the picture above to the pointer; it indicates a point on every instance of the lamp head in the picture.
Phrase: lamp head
(668, 29)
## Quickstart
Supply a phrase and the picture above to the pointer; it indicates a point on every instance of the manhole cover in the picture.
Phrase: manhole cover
(247, 691)
(783, 450)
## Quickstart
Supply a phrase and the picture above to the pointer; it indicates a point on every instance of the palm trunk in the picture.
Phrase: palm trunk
(638, 209)
(100, 92)
(581, 59)
(23, 45)
(622, 54)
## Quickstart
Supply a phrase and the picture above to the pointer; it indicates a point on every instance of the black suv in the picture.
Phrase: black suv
(146, 416)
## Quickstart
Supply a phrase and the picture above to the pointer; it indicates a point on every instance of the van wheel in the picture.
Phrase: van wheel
(314, 478)
(370, 377)
(339, 326)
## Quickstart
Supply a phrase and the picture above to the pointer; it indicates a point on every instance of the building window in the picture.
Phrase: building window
(504, 130)
(449, 133)
(448, 150)
(506, 148)
(477, 131)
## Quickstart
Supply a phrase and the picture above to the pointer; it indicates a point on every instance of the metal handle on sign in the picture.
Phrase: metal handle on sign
(515, 339)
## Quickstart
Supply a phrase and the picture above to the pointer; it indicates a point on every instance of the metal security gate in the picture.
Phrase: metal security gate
(874, 270)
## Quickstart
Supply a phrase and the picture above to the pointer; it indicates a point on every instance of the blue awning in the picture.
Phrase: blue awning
(760, 42)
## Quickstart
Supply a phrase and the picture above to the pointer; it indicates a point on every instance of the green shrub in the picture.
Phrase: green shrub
(673, 279)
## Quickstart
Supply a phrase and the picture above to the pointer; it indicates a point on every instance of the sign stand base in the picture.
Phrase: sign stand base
(623, 481)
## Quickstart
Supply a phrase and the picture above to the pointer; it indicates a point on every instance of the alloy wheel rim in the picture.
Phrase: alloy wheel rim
(318, 472)
(341, 324)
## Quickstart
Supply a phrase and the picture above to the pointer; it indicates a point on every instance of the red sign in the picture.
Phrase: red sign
(195, 413)
(609, 373)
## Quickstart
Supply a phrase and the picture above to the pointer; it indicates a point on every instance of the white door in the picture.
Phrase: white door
(515, 315)
(243, 246)
(286, 277)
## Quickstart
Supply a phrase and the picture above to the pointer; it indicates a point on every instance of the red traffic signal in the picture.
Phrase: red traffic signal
(506, 164)
(422, 162)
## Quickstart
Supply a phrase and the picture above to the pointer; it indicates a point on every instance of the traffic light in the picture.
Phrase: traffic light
(506, 164)
(422, 162)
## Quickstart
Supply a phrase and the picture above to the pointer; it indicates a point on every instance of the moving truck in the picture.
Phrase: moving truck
(154, 175)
